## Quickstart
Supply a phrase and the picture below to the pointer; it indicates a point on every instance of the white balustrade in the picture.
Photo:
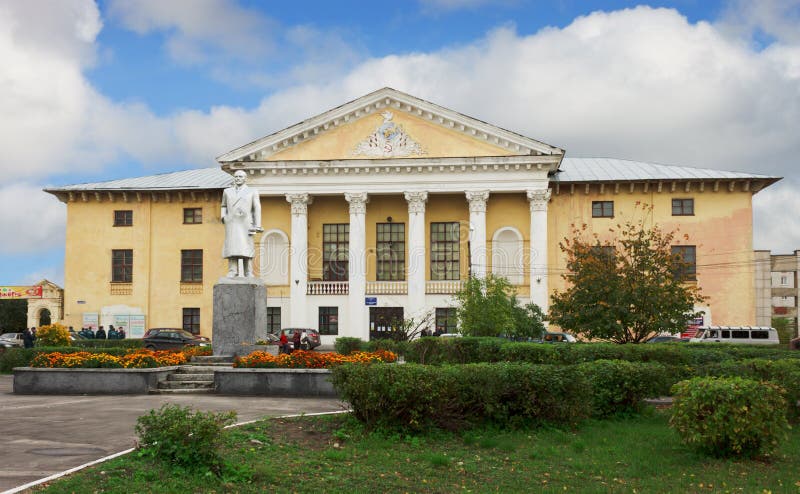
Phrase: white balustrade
(446, 286)
(328, 288)
(387, 287)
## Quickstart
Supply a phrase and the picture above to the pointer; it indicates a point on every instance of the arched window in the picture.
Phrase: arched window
(44, 317)
(275, 258)
(507, 255)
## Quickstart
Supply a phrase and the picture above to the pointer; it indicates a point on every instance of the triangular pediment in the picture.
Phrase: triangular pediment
(388, 124)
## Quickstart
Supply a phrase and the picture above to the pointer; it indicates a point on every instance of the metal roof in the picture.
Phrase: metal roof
(571, 170)
(200, 178)
(616, 170)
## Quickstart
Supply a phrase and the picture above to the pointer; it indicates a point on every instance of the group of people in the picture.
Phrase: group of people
(297, 342)
(100, 334)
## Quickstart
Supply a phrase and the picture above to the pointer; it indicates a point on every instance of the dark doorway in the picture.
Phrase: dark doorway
(383, 321)
(44, 317)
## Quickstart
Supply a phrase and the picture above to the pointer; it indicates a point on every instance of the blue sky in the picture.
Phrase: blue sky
(93, 91)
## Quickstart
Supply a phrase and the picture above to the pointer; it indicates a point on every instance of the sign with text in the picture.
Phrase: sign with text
(371, 301)
(21, 291)
(90, 320)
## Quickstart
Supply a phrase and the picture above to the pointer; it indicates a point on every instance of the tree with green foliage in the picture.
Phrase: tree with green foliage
(489, 307)
(627, 288)
(13, 315)
(784, 327)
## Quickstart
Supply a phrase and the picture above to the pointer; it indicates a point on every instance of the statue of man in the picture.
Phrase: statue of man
(241, 214)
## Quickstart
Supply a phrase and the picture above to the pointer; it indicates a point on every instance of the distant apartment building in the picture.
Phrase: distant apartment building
(777, 287)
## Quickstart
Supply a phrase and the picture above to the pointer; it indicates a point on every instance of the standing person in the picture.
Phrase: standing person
(284, 346)
(241, 214)
(27, 338)
(296, 339)
(101, 333)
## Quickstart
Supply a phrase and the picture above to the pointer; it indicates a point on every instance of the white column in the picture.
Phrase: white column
(538, 269)
(357, 260)
(298, 269)
(416, 253)
(477, 232)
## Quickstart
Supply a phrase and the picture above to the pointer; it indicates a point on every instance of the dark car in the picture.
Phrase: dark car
(172, 339)
(309, 338)
(8, 340)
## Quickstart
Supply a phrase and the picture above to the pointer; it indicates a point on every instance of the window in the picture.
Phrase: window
(192, 216)
(685, 262)
(335, 242)
(445, 245)
(191, 319)
(784, 280)
(391, 249)
(273, 320)
(192, 266)
(741, 334)
(122, 266)
(683, 207)
(123, 217)
(329, 320)
(602, 209)
(758, 334)
(446, 320)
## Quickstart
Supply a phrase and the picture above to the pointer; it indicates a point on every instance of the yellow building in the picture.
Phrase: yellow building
(381, 208)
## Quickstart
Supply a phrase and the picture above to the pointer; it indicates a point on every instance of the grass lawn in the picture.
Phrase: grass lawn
(333, 454)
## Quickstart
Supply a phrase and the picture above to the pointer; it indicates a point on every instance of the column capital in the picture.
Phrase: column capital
(538, 199)
(358, 202)
(416, 201)
(299, 202)
(477, 200)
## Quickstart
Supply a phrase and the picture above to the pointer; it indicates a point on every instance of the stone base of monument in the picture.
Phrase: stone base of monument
(240, 309)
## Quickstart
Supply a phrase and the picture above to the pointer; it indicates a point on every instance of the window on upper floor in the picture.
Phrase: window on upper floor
(123, 217)
(329, 320)
(192, 216)
(684, 262)
(391, 249)
(122, 266)
(683, 207)
(602, 209)
(191, 319)
(335, 245)
(784, 280)
(192, 266)
(445, 251)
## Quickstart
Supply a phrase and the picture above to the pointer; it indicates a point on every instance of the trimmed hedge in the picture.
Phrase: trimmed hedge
(619, 387)
(729, 416)
(126, 343)
(21, 357)
(418, 397)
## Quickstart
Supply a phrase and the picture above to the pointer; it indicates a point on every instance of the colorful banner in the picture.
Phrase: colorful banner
(21, 291)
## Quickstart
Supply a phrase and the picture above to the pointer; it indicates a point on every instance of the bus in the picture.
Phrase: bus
(753, 335)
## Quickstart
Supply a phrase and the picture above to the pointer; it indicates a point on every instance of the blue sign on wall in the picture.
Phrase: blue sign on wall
(371, 301)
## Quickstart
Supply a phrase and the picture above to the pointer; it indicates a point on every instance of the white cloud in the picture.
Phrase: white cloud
(777, 19)
(32, 221)
(777, 224)
(199, 29)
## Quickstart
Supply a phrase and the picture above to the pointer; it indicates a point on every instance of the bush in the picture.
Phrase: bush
(619, 387)
(729, 416)
(105, 344)
(347, 345)
(176, 435)
(417, 397)
(22, 357)
(52, 335)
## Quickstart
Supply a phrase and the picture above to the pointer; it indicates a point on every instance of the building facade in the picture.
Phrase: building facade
(777, 287)
(379, 210)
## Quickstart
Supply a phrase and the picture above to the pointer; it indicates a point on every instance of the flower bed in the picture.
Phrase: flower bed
(140, 359)
(310, 360)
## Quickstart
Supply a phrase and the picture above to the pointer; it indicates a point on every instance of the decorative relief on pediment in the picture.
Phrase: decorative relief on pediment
(389, 140)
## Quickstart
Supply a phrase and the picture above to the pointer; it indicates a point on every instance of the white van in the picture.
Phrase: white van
(753, 335)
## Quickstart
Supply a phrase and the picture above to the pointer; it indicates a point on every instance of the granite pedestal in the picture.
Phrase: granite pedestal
(240, 310)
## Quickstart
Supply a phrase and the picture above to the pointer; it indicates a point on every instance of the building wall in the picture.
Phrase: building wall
(721, 229)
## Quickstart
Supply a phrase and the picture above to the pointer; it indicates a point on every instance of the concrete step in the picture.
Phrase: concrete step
(191, 377)
(211, 359)
(186, 385)
(189, 391)
(200, 369)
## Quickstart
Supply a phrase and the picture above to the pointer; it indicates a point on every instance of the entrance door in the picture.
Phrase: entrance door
(44, 317)
(383, 320)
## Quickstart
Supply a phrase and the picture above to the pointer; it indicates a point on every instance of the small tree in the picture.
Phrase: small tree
(626, 289)
(784, 327)
(52, 335)
(489, 307)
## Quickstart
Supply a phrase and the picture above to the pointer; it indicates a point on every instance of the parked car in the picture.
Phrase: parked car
(549, 337)
(172, 339)
(309, 338)
(8, 340)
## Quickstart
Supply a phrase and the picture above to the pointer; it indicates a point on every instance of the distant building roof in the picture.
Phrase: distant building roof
(571, 170)
(615, 170)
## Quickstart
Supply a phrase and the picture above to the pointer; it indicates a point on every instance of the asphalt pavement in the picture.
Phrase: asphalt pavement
(44, 435)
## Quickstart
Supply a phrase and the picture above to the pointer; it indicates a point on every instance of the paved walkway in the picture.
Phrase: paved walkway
(44, 435)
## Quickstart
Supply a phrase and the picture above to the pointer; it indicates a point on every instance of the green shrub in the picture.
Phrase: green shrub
(416, 397)
(347, 345)
(619, 387)
(176, 435)
(105, 344)
(52, 335)
(398, 347)
(729, 416)
(21, 357)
